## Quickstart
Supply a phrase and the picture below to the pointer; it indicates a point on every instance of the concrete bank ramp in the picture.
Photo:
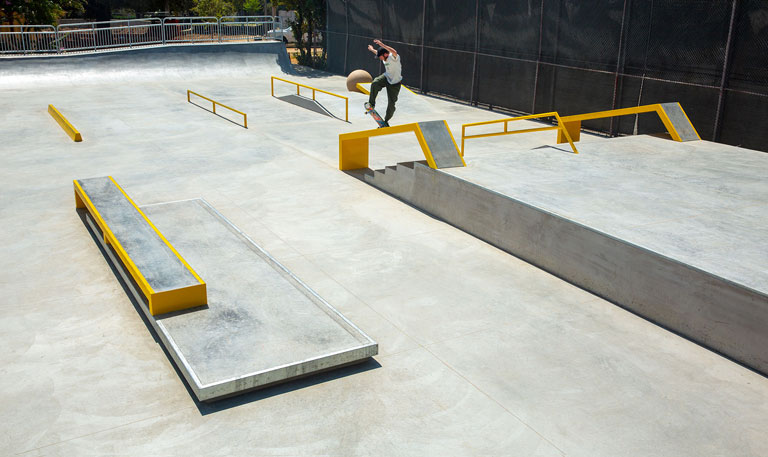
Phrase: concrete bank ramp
(162, 63)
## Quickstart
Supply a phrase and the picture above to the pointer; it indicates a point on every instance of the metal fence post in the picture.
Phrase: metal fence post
(423, 37)
(724, 77)
(538, 58)
(619, 67)
(472, 92)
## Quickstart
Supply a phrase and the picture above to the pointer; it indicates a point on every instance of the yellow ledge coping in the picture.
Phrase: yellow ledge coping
(69, 129)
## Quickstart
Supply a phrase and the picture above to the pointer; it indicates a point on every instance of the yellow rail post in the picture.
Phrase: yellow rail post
(214, 102)
(314, 89)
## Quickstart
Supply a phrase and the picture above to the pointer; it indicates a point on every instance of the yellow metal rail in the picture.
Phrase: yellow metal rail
(245, 116)
(572, 124)
(314, 90)
(559, 127)
(354, 146)
(160, 302)
(69, 129)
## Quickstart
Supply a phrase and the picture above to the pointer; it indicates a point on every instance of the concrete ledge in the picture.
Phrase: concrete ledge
(69, 129)
(164, 277)
(717, 313)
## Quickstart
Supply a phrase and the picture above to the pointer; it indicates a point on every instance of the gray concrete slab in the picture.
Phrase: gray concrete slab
(480, 352)
(159, 265)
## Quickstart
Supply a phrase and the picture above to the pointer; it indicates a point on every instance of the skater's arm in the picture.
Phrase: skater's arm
(388, 48)
(371, 48)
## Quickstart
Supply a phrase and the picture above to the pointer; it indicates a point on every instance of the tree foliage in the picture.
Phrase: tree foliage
(216, 8)
(253, 7)
(37, 11)
(310, 20)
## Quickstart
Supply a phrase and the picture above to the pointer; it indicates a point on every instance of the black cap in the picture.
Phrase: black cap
(381, 52)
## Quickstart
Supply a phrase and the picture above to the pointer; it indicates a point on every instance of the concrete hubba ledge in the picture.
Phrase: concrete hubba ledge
(435, 138)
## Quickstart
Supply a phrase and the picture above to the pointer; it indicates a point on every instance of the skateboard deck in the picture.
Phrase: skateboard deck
(376, 116)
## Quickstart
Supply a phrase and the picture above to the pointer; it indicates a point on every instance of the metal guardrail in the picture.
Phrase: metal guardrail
(560, 127)
(32, 39)
(214, 102)
(314, 89)
(94, 36)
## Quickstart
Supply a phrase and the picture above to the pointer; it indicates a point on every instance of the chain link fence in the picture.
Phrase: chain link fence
(575, 56)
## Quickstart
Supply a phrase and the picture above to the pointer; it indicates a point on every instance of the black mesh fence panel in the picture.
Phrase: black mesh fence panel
(336, 18)
(582, 33)
(576, 56)
(364, 18)
(450, 24)
(510, 29)
(403, 21)
(749, 63)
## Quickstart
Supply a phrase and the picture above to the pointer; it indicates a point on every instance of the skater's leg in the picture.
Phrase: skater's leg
(376, 85)
(393, 90)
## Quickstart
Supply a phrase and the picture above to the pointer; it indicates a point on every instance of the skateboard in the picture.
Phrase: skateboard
(376, 116)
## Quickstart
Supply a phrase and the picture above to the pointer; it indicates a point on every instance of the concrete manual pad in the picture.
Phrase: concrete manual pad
(262, 324)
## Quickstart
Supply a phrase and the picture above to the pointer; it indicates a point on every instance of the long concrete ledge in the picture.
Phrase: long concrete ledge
(164, 277)
(715, 312)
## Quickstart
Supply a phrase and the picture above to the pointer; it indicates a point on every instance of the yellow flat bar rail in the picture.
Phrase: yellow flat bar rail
(559, 127)
(572, 124)
(69, 129)
(245, 116)
(159, 302)
(314, 90)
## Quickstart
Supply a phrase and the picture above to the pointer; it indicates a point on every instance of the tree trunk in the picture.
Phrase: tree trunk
(310, 30)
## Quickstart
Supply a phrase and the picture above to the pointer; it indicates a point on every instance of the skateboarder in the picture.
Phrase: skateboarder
(391, 79)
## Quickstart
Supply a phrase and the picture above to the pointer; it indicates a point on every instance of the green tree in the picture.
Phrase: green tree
(253, 7)
(216, 8)
(310, 18)
(38, 11)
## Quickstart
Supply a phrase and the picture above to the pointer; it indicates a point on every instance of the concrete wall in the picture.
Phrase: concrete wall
(710, 310)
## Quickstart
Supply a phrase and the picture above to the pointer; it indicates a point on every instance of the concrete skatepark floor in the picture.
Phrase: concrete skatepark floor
(480, 352)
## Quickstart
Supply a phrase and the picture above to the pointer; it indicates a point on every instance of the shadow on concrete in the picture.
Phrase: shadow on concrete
(206, 408)
(217, 114)
(238, 399)
(309, 104)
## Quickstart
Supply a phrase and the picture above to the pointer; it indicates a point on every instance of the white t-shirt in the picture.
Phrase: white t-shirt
(394, 70)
